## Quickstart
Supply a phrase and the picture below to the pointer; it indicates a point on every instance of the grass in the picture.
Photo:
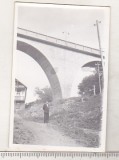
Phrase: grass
(81, 121)
(21, 134)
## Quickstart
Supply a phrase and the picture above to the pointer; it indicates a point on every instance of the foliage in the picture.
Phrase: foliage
(44, 94)
(86, 87)
(80, 121)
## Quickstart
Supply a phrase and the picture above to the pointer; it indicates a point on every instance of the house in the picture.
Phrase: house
(20, 94)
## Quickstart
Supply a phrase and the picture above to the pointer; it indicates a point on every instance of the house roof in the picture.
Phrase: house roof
(19, 83)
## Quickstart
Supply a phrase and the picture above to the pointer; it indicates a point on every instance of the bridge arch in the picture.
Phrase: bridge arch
(45, 65)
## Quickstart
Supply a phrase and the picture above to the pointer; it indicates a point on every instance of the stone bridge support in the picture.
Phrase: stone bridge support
(45, 65)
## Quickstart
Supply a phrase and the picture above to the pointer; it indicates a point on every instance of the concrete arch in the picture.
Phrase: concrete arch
(45, 65)
(92, 64)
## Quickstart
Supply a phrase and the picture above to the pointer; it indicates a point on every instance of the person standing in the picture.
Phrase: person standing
(46, 112)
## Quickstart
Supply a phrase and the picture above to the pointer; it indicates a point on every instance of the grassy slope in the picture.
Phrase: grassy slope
(81, 121)
(21, 134)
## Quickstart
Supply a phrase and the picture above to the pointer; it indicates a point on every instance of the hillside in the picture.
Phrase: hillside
(80, 121)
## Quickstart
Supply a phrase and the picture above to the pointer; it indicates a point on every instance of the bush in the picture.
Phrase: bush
(86, 87)
(44, 94)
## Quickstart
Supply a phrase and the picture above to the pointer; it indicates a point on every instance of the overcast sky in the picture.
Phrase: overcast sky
(53, 20)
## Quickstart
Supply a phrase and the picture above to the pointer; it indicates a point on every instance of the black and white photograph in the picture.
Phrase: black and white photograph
(60, 77)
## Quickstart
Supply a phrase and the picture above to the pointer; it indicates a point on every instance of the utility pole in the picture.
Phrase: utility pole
(66, 34)
(98, 70)
(83, 97)
(99, 41)
(94, 92)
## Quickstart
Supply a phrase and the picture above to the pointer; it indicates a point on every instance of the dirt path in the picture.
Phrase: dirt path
(45, 134)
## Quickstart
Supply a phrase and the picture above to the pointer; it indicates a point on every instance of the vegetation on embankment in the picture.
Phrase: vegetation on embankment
(21, 134)
(81, 121)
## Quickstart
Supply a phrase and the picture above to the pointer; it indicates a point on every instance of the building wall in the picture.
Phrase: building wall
(20, 95)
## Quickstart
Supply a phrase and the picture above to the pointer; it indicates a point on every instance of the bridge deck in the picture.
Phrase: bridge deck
(34, 36)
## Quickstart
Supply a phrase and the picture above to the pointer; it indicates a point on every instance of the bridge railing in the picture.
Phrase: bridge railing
(57, 41)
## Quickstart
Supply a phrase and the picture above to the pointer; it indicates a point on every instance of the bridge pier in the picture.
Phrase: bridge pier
(50, 55)
(45, 65)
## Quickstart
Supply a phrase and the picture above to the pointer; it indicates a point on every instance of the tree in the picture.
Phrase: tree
(44, 94)
(89, 84)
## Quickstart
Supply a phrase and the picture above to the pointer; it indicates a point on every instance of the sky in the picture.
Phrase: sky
(72, 23)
